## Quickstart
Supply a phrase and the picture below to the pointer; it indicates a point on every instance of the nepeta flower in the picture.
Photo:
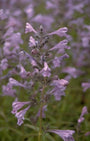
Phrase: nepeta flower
(31, 59)
(9, 32)
(23, 73)
(17, 13)
(22, 56)
(59, 88)
(8, 90)
(4, 64)
(84, 111)
(85, 85)
(60, 45)
(85, 41)
(6, 48)
(4, 14)
(32, 42)
(42, 19)
(60, 82)
(15, 39)
(46, 71)
(1, 13)
(29, 11)
(20, 115)
(18, 105)
(13, 22)
(58, 60)
(14, 82)
(60, 32)
(29, 28)
(87, 134)
(79, 7)
(73, 71)
(66, 135)
(50, 5)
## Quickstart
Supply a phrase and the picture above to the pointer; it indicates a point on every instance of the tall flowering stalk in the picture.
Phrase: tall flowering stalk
(43, 58)
(36, 70)
(42, 62)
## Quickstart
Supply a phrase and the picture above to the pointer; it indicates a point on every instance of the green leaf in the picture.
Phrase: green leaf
(32, 127)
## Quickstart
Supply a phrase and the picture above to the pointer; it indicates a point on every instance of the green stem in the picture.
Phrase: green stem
(41, 109)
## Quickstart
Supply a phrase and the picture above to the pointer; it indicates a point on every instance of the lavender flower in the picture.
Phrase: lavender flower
(60, 45)
(9, 32)
(4, 64)
(85, 85)
(15, 39)
(20, 115)
(14, 82)
(66, 135)
(29, 28)
(23, 73)
(50, 5)
(42, 19)
(29, 10)
(8, 90)
(46, 71)
(58, 60)
(59, 88)
(13, 22)
(18, 105)
(31, 59)
(87, 134)
(84, 112)
(32, 42)
(6, 48)
(4, 14)
(60, 32)
(73, 71)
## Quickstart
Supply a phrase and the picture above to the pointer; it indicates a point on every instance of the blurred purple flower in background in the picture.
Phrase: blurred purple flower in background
(84, 112)
(66, 135)
(85, 85)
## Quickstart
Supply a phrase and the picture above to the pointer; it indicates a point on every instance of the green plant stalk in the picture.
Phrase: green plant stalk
(41, 108)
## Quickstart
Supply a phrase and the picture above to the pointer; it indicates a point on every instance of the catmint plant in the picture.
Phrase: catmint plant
(33, 60)
(42, 59)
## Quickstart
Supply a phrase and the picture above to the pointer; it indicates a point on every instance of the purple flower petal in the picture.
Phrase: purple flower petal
(85, 85)
(60, 45)
(46, 71)
(14, 82)
(84, 111)
(66, 135)
(60, 32)
(20, 115)
(18, 105)
(32, 42)
(4, 64)
(29, 28)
